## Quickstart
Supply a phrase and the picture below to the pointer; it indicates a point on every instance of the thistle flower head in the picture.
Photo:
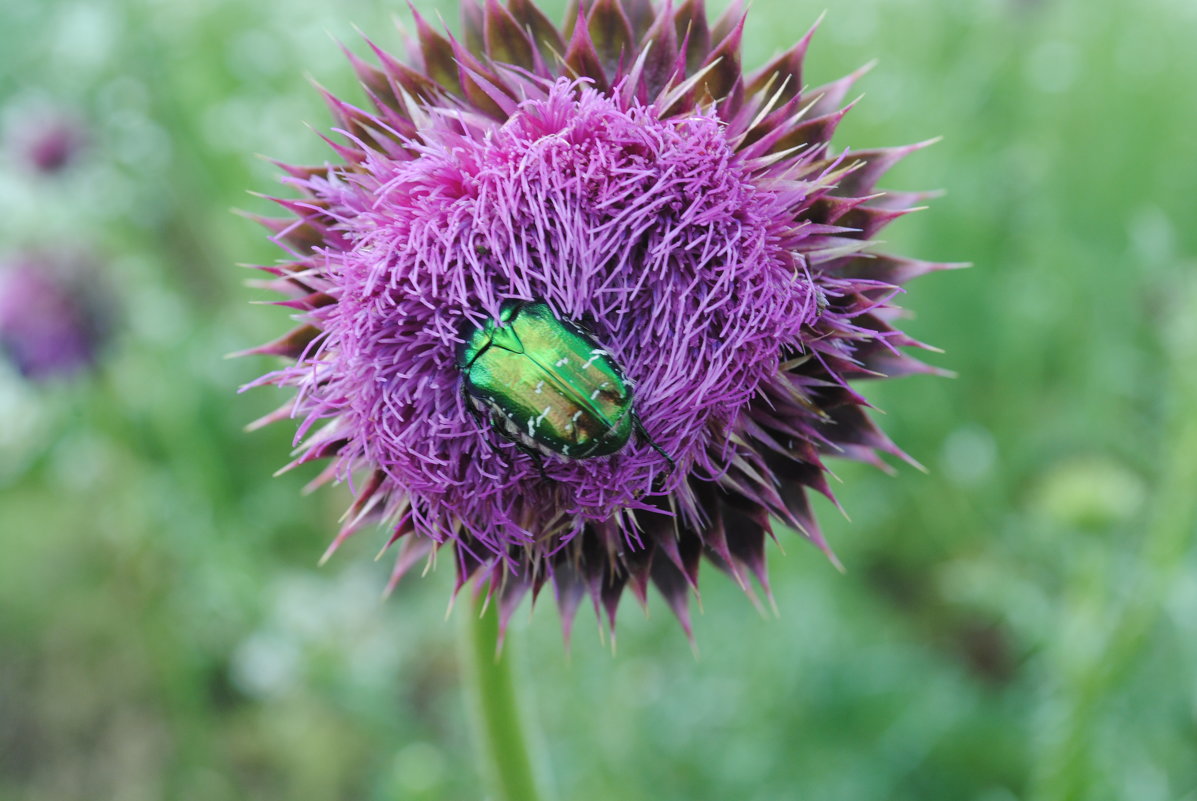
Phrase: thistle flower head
(53, 321)
(690, 226)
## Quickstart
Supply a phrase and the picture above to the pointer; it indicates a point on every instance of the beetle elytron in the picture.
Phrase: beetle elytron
(547, 385)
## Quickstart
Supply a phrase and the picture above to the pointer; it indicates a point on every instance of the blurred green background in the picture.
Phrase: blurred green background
(1019, 623)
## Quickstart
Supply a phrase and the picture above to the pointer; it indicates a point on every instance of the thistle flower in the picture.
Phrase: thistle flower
(619, 181)
(53, 321)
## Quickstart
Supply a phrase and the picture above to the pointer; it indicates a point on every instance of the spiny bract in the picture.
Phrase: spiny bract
(624, 171)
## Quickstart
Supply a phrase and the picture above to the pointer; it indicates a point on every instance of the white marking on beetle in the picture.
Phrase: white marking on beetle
(595, 354)
(539, 387)
(577, 414)
(595, 394)
(564, 360)
(565, 449)
(533, 423)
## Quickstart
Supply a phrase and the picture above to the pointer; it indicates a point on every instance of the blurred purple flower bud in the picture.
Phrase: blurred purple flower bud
(53, 319)
(48, 141)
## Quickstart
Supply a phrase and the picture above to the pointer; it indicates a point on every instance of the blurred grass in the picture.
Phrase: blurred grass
(1018, 623)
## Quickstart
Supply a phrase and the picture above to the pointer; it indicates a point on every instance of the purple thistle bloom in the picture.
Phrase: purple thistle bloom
(695, 223)
(52, 322)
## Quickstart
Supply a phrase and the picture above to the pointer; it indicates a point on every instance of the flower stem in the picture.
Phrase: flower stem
(500, 732)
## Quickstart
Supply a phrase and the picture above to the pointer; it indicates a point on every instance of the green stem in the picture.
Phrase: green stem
(496, 709)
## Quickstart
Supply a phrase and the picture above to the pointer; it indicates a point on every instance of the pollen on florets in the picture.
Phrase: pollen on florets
(693, 220)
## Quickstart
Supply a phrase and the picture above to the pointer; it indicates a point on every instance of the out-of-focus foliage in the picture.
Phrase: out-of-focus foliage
(1018, 623)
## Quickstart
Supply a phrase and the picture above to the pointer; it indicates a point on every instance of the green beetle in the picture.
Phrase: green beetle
(547, 385)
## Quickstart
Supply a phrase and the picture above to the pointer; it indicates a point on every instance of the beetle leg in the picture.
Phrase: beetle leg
(484, 421)
(640, 430)
(523, 447)
(536, 457)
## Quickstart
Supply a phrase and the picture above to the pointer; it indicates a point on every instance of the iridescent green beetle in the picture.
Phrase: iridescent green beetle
(547, 385)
